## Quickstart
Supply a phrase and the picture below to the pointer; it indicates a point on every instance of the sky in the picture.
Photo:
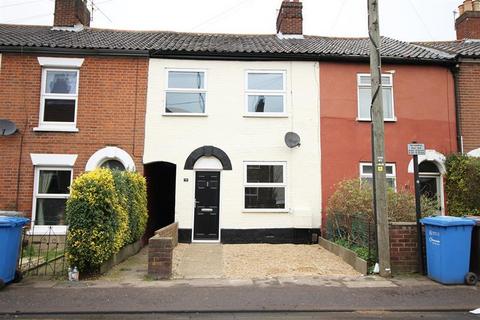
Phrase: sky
(408, 20)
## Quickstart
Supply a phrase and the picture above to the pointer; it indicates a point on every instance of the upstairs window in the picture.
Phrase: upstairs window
(58, 109)
(265, 186)
(365, 97)
(265, 93)
(186, 92)
(366, 174)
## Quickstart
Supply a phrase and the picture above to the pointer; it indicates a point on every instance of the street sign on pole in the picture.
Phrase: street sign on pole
(416, 149)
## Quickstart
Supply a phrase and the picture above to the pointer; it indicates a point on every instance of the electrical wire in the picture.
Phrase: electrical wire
(239, 4)
(29, 17)
(421, 19)
(19, 4)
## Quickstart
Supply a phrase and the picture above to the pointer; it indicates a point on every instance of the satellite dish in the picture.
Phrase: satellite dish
(7, 127)
(292, 139)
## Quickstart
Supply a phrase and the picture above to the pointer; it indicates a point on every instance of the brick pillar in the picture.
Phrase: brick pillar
(160, 256)
(403, 247)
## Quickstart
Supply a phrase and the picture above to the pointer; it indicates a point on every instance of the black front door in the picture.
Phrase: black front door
(207, 200)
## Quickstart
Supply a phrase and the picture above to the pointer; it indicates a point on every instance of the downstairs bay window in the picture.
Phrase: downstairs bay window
(265, 186)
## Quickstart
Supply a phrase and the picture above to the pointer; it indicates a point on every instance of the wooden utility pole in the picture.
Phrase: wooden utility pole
(378, 145)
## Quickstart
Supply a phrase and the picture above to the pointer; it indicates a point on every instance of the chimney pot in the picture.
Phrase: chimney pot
(467, 5)
(69, 13)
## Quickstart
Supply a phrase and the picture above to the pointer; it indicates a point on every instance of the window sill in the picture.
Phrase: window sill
(265, 210)
(370, 120)
(265, 115)
(55, 129)
(185, 114)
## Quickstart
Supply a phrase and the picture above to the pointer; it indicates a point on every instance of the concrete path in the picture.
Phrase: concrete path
(202, 261)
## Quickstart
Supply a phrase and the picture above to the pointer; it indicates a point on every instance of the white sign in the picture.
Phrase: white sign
(416, 149)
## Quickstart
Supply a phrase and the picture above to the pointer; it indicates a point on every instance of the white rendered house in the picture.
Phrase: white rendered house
(220, 126)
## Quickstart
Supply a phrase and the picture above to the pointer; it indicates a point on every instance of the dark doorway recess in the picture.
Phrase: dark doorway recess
(160, 195)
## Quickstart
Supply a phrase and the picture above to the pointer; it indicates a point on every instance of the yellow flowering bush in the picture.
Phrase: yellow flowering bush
(106, 210)
(132, 191)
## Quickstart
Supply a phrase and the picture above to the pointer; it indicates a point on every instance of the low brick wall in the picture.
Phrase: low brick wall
(160, 252)
(347, 255)
(403, 247)
(170, 231)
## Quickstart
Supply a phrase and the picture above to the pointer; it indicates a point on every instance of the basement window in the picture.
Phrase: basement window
(59, 97)
(265, 93)
(265, 186)
(365, 97)
(186, 92)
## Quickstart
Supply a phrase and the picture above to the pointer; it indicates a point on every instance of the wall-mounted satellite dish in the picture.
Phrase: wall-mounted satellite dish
(7, 127)
(292, 139)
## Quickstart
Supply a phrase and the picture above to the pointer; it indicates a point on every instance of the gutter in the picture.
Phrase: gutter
(255, 56)
(75, 51)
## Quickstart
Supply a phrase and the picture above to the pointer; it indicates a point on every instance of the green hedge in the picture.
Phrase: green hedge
(462, 185)
(352, 197)
(106, 210)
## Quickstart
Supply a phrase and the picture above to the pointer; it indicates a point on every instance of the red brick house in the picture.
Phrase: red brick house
(76, 106)
(83, 97)
(466, 50)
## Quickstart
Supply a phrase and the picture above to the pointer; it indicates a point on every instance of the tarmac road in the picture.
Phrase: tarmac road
(266, 297)
(263, 316)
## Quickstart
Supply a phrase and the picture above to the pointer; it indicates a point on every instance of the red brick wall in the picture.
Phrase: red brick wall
(468, 25)
(469, 84)
(111, 112)
(289, 20)
(170, 231)
(424, 103)
(403, 247)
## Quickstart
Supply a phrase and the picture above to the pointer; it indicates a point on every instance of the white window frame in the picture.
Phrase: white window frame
(360, 85)
(252, 92)
(56, 125)
(185, 90)
(272, 185)
(388, 175)
(44, 229)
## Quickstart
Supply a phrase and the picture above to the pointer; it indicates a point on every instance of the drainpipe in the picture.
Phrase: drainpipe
(455, 69)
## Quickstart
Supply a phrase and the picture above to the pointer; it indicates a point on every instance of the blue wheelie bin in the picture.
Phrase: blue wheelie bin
(10, 236)
(448, 242)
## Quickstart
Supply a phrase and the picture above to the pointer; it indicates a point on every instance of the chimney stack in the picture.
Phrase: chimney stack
(289, 19)
(468, 23)
(69, 13)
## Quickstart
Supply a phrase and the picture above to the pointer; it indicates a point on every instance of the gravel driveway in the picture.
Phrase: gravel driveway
(246, 261)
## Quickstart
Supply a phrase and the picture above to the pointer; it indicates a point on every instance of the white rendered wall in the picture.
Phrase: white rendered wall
(173, 138)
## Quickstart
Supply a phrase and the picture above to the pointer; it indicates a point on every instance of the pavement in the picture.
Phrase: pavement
(311, 294)
(126, 291)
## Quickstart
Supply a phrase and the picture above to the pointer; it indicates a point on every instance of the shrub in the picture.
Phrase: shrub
(462, 185)
(106, 210)
(132, 190)
(92, 215)
(352, 197)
